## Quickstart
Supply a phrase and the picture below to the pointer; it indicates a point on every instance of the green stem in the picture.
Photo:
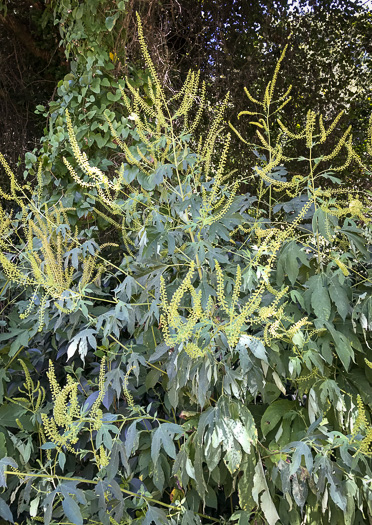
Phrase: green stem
(93, 482)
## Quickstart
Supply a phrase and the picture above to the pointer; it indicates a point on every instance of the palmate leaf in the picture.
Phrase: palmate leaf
(155, 516)
(190, 518)
(275, 413)
(163, 438)
(342, 346)
(255, 346)
(158, 476)
(328, 471)
(182, 467)
(300, 449)
(4, 463)
(287, 262)
(299, 490)
(80, 342)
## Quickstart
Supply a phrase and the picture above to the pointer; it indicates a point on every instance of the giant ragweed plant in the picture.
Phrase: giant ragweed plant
(232, 329)
(48, 261)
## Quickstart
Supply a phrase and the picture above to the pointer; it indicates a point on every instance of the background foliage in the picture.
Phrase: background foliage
(176, 349)
(235, 44)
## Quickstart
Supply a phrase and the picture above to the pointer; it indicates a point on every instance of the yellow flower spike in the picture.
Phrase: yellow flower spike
(142, 104)
(176, 299)
(193, 351)
(103, 458)
(14, 186)
(283, 104)
(369, 136)
(323, 134)
(264, 141)
(310, 125)
(339, 145)
(127, 394)
(342, 267)
(147, 58)
(365, 446)
(28, 383)
(252, 99)
(276, 73)
(289, 133)
(200, 109)
(11, 270)
(221, 289)
(334, 123)
(213, 132)
(54, 386)
(61, 415)
(236, 293)
(297, 326)
(228, 204)
(101, 389)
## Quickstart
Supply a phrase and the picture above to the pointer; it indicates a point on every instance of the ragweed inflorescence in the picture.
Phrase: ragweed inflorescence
(46, 264)
(362, 423)
(233, 316)
(68, 420)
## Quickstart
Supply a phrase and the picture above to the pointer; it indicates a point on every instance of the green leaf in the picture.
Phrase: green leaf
(3, 377)
(190, 518)
(245, 485)
(100, 140)
(30, 158)
(154, 515)
(287, 262)
(10, 412)
(339, 297)
(320, 300)
(48, 446)
(5, 511)
(34, 504)
(80, 342)
(96, 85)
(322, 224)
(4, 463)
(72, 510)
(353, 234)
(342, 345)
(158, 476)
(300, 449)
(113, 97)
(255, 346)
(22, 339)
(110, 22)
(233, 459)
(329, 389)
(162, 437)
(265, 502)
(61, 460)
(274, 413)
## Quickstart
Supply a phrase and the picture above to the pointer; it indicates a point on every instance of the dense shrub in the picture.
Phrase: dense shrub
(209, 362)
